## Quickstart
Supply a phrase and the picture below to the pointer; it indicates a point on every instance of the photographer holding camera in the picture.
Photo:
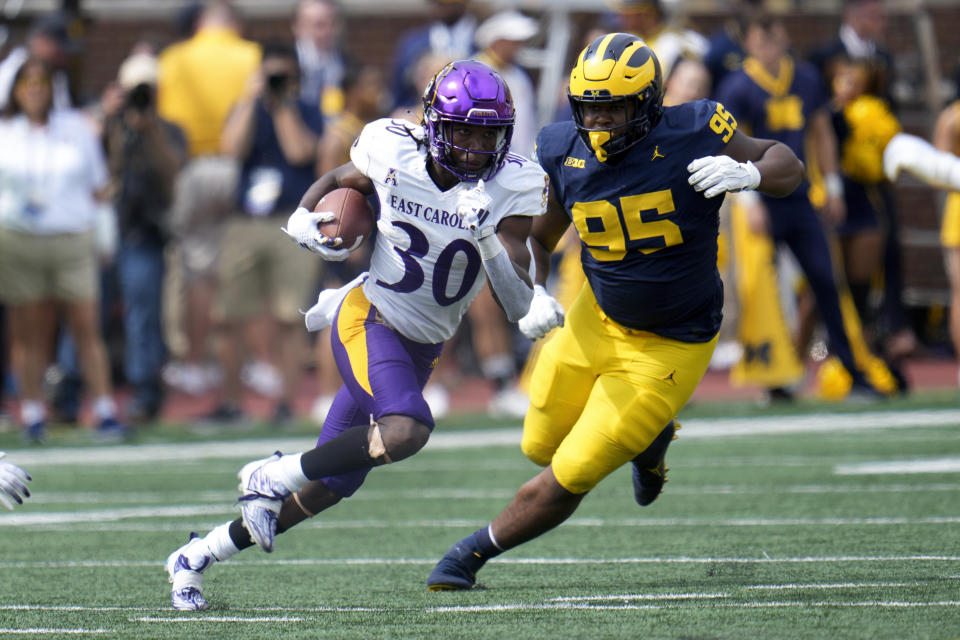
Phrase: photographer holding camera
(144, 153)
(274, 134)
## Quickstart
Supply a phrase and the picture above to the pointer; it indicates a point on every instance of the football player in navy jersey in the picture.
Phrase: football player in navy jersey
(640, 183)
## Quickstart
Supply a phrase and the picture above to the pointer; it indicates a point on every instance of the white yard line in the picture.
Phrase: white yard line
(692, 429)
(308, 562)
(656, 601)
(182, 511)
(58, 632)
(929, 465)
(220, 619)
(839, 585)
(220, 497)
(643, 596)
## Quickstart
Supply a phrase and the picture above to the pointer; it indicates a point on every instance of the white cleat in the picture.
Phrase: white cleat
(260, 500)
(185, 568)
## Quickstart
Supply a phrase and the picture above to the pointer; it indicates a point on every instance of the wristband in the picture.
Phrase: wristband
(833, 184)
(490, 247)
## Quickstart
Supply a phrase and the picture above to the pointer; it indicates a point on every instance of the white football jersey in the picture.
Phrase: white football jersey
(426, 268)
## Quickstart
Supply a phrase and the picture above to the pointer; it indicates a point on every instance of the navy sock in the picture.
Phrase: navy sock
(348, 452)
(484, 545)
(239, 534)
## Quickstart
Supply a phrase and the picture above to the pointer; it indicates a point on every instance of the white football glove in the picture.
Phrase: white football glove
(720, 174)
(910, 153)
(469, 205)
(302, 227)
(13, 484)
(545, 313)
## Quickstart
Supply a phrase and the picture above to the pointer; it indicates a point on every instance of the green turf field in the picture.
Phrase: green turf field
(827, 523)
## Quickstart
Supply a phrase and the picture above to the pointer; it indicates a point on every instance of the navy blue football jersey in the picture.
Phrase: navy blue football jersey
(648, 240)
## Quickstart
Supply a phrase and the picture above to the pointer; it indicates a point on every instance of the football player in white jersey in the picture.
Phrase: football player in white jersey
(455, 208)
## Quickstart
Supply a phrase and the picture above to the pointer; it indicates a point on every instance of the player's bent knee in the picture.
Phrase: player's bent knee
(537, 452)
(397, 437)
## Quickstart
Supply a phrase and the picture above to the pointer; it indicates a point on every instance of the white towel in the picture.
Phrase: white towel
(321, 315)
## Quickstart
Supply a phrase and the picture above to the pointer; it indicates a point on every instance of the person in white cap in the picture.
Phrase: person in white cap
(499, 39)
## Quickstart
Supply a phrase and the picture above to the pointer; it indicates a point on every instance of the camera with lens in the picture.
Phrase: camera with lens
(140, 98)
(277, 83)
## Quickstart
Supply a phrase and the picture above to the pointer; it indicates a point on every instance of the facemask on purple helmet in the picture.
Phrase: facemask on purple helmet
(468, 92)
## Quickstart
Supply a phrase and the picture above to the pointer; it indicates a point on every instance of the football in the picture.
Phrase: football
(353, 216)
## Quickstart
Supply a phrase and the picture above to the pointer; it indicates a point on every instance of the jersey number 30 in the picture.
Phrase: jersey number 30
(607, 233)
(413, 275)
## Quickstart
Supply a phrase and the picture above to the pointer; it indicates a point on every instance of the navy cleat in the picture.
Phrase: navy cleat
(649, 468)
(457, 569)
(185, 568)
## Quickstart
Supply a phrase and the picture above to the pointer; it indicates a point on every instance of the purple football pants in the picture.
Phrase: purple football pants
(383, 374)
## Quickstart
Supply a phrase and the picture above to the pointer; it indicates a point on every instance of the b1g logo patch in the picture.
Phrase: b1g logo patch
(576, 163)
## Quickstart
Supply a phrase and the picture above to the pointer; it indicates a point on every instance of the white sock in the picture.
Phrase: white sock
(32, 411)
(219, 543)
(291, 472)
(104, 407)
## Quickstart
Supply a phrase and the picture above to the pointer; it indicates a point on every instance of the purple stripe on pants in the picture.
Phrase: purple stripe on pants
(397, 369)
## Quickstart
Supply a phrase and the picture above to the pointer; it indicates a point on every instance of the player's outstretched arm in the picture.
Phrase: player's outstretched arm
(781, 171)
(920, 158)
(545, 312)
(747, 164)
(13, 484)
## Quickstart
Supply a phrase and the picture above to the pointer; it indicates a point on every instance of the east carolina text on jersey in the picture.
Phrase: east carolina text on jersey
(430, 214)
(426, 268)
(648, 240)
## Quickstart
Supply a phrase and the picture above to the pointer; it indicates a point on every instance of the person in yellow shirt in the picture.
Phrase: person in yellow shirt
(201, 78)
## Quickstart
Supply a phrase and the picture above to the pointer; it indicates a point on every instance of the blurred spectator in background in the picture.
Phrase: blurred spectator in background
(201, 78)
(725, 48)
(860, 38)
(646, 18)
(53, 175)
(864, 125)
(689, 81)
(448, 33)
(144, 154)
(49, 41)
(365, 100)
(317, 27)
(274, 134)
(781, 98)
(946, 136)
(425, 67)
(500, 38)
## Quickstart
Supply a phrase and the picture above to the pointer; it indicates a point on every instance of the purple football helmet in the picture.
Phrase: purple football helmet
(467, 91)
